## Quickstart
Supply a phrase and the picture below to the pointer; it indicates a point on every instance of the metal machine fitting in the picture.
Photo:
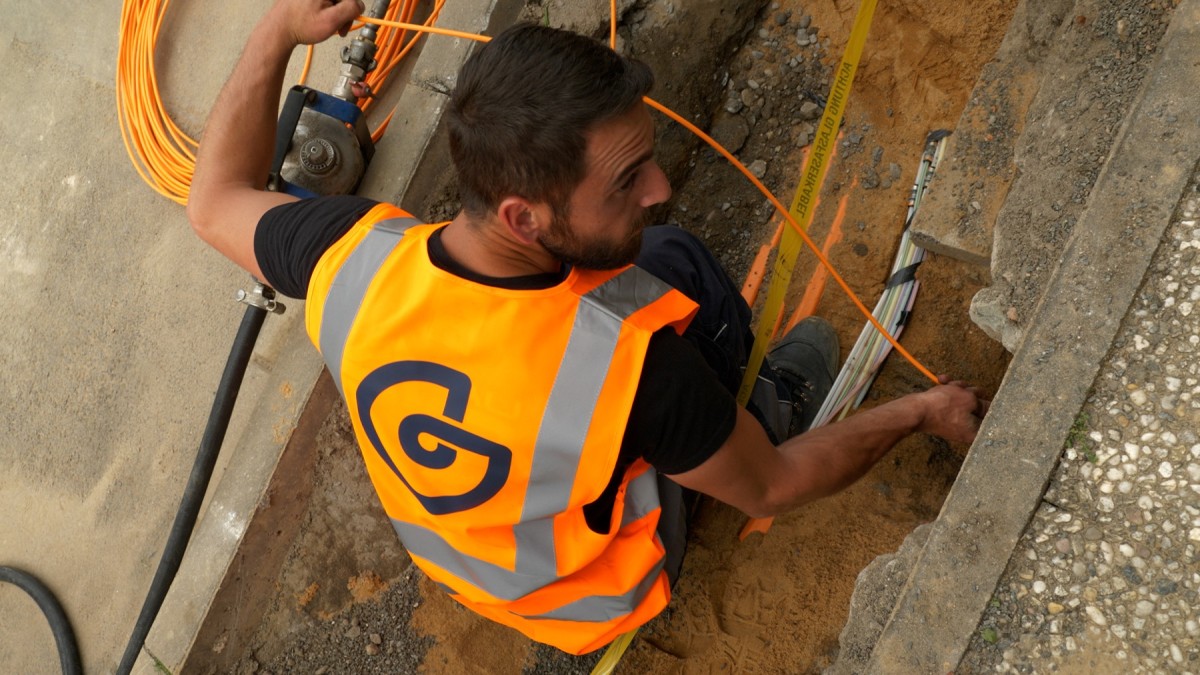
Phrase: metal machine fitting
(358, 57)
(262, 297)
(322, 145)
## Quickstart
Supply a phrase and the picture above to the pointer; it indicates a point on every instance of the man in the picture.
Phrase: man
(517, 388)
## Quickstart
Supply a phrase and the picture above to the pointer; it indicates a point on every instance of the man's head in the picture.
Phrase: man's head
(534, 113)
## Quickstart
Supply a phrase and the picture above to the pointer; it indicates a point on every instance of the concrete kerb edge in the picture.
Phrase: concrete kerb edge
(416, 130)
(1006, 472)
(235, 502)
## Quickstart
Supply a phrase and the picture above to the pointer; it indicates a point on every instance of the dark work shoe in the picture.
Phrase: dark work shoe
(806, 359)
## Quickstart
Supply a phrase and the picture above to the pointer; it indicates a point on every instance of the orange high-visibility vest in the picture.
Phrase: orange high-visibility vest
(489, 417)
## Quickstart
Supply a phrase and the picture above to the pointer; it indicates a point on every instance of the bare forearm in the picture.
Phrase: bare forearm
(239, 137)
(763, 480)
(830, 458)
(227, 197)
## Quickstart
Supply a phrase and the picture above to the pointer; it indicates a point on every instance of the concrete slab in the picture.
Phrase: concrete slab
(957, 216)
(1101, 53)
(116, 322)
(1104, 264)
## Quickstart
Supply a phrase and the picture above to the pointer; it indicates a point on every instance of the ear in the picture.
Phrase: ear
(524, 219)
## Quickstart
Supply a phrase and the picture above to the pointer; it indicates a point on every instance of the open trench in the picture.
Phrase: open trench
(347, 599)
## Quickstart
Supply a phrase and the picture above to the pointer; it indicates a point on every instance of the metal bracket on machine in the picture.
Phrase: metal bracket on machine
(322, 145)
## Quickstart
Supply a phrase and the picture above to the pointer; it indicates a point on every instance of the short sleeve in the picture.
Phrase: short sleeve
(292, 237)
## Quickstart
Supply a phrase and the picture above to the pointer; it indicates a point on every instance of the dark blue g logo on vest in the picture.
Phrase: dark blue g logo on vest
(458, 389)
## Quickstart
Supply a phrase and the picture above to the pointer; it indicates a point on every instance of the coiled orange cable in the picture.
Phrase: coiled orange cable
(163, 155)
(161, 152)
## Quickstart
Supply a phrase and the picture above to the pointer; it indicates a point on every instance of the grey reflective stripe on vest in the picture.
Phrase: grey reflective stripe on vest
(350, 284)
(512, 586)
(641, 497)
(569, 411)
(598, 608)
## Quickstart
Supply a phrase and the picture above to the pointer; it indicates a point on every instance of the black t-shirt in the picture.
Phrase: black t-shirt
(681, 412)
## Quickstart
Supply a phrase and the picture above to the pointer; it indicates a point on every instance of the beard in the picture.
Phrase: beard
(562, 242)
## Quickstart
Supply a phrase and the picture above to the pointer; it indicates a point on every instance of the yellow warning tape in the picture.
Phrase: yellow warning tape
(789, 246)
(612, 655)
(805, 198)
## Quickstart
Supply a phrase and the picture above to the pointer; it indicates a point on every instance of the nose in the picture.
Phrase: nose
(658, 188)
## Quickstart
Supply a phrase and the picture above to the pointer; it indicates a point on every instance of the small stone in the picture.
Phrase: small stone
(758, 167)
(376, 639)
(353, 632)
(1092, 534)
(1144, 608)
(372, 649)
(1054, 608)
(1131, 575)
(1063, 545)
(731, 133)
(1096, 615)
(809, 110)
(1039, 586)
(1165, 469)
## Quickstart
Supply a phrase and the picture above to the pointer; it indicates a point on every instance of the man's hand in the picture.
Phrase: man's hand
(953, 410)
(749, 473)
(311, 21)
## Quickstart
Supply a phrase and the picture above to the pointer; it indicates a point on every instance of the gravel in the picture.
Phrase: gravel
(1110, 563)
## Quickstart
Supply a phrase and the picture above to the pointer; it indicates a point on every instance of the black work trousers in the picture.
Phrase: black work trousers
(721, 332)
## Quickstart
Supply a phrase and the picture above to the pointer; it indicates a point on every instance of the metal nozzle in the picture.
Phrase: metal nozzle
(358, 58)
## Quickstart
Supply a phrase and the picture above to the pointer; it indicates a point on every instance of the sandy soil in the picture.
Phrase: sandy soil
(348, 600)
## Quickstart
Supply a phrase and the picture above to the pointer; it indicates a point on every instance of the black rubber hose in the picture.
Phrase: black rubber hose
(193, 494)
(64, 636)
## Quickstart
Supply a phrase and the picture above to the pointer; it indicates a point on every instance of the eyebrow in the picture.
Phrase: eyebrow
(633, 166)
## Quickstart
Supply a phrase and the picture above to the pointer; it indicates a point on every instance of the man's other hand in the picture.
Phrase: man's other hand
(312, 21)
(953, 410)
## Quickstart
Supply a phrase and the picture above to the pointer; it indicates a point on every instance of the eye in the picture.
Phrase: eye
(629, 182)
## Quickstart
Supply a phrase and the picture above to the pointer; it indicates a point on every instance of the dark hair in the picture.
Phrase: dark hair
(521, 107)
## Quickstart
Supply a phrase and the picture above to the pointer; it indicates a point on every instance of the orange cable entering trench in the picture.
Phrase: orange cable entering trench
(749, 176)
(799, 230)
(142, 111)
(169, 155)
